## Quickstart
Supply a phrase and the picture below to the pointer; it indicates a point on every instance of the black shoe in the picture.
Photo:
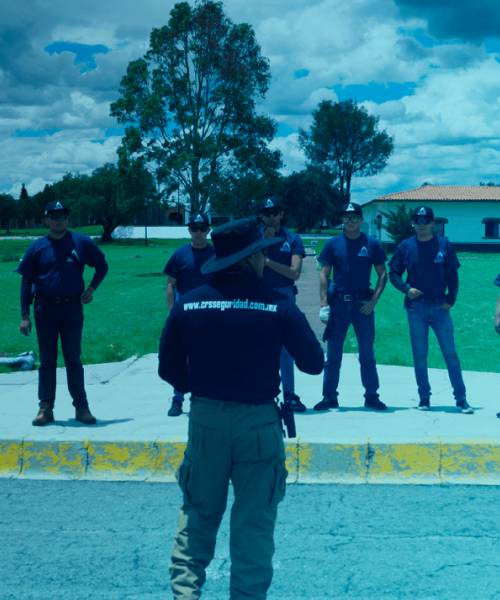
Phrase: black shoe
(424, 404)
(375, 404)
(464, 407)
(327, 403)
(176, 408)
(297, 405)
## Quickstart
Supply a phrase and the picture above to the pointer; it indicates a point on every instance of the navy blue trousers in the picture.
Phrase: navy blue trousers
(53, 321)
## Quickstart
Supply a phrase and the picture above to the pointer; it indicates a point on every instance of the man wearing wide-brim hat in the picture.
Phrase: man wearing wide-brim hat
(222, 343)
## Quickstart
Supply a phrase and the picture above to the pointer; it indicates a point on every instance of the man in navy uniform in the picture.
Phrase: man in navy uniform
(231, 332)
(352, 255)
(184, 274)
(282, 269)
(432, 268)
(53, 265)
(497, 316)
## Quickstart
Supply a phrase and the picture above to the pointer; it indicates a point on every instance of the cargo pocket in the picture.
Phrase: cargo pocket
(279, 484)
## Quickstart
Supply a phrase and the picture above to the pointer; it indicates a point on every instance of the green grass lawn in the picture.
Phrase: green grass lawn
(129, 309)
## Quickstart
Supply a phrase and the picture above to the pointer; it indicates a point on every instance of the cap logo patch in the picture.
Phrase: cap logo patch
(286, 247)
(58, 206)
(422, 211)
(364, 252)
(350, 207)
(439, 258)
(198, 218)
(269, 203)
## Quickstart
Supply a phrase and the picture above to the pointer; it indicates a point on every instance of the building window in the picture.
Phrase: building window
(491, 228)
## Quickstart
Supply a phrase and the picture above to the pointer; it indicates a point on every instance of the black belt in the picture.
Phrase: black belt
(430, 301)
(57, 299)
(366, 295)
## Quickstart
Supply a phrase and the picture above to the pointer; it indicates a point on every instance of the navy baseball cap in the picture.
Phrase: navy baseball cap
(270, 203)
(352, 207)
(56, 206)
(198, 218)
(423, 211)
(236, 240)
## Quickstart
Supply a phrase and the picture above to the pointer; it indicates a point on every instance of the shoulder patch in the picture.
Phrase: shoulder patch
(364, 252)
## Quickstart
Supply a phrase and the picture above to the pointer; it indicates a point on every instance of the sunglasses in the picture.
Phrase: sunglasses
(422, 221)
(57, 216)
(350, 219)
(273, 212)
(196, 228)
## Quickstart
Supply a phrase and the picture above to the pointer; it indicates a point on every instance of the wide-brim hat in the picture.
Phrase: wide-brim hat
(236, 240)
(56, 206)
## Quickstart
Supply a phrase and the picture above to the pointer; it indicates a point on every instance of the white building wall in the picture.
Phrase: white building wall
(465, 219)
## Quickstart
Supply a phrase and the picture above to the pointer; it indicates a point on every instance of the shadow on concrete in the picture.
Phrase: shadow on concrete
(74, 423)
(390, 409)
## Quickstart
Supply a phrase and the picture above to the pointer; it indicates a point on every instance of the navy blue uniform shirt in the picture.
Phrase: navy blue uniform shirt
(185, 264)
(352, 261)
(282, 253)
(431, 268)
(53, 272)
(223, 340)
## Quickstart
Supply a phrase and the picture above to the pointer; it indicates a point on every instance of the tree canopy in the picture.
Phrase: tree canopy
(344, 139)
(8, 210)
(189, 105)
(308, 198)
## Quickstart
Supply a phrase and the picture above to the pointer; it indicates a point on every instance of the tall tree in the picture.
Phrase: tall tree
(345, 140)
(8, 210)
(189, 105)
(25, 207)
(308, 197)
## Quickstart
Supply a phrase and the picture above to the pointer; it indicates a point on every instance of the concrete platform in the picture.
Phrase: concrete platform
(135, 439)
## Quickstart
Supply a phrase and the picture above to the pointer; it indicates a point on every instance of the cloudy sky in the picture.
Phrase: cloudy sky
(430, 69)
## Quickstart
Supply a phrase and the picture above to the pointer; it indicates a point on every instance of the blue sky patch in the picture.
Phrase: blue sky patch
(34, 132)
(376, 92)
(84, 53)
(114, 131)
(492, 45)
(300, 73)
(284, 130)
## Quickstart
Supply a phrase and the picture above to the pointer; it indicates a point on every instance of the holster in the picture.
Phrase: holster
(287, 416)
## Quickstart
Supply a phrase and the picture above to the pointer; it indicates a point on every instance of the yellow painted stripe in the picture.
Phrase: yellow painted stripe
(471, 461)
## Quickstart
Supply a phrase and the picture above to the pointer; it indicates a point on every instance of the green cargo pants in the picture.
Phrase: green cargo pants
(229, 441)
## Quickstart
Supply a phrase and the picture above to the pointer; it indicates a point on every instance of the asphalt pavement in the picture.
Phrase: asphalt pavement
(134, 439)
(89, 540)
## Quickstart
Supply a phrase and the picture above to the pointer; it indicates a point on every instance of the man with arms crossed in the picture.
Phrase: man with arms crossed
(282, 269)
(232, 331)
(184, 274)
(352, 255)
(432, 268)
(54, 265)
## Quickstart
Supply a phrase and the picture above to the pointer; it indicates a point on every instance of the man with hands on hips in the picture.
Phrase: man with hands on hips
(53, 265)
(432, 268)
(352, 255)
